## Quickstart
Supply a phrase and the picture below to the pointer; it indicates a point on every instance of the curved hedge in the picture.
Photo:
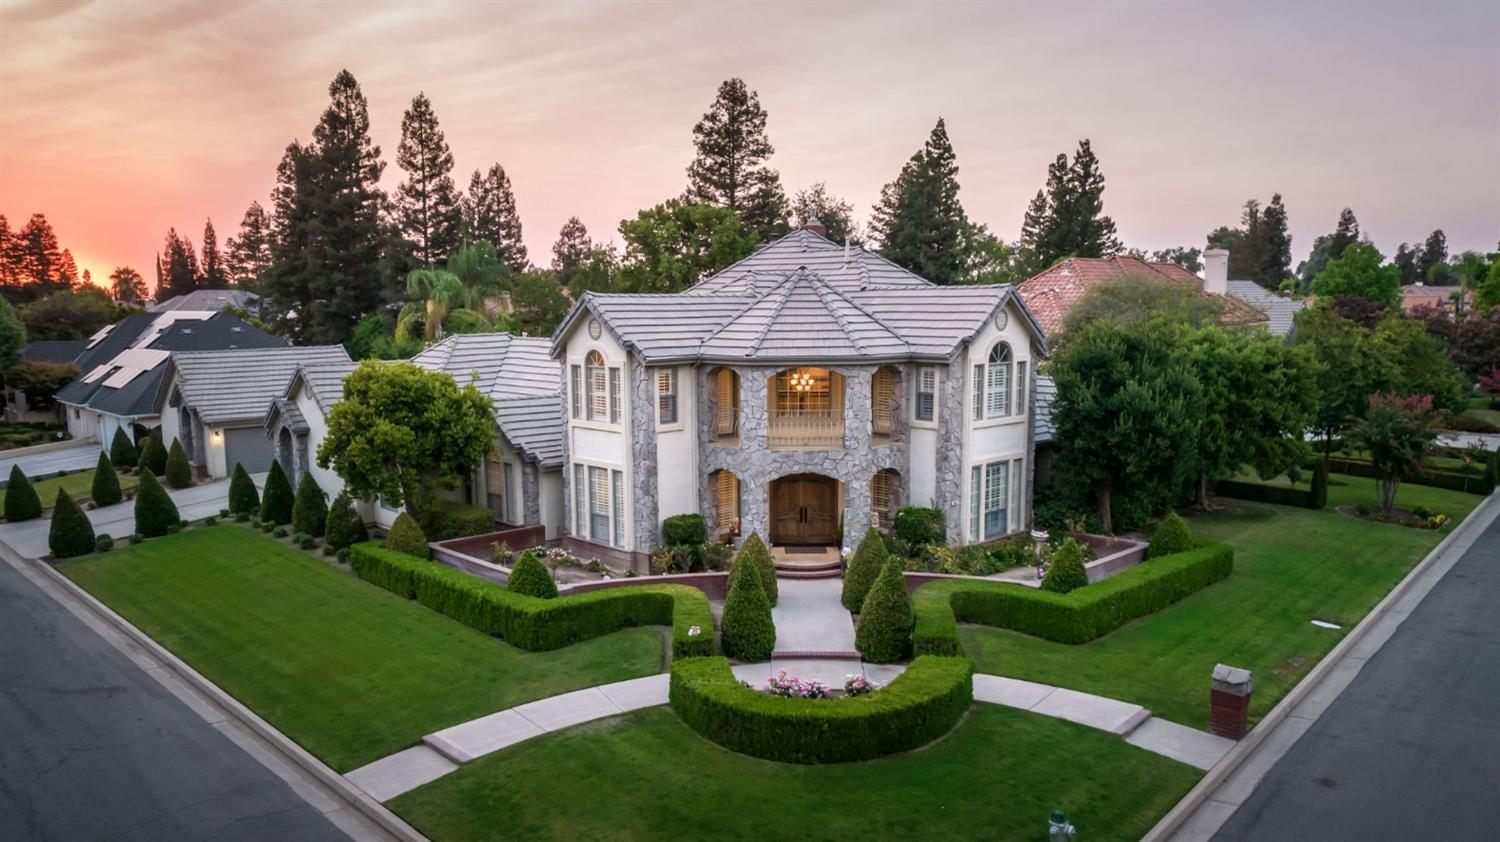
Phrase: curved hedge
(924, 703)
(1076, 617)
(535, 624)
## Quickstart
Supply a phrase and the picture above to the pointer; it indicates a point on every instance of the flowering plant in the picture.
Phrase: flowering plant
(793, 687)
(858, 685)
(694, 631)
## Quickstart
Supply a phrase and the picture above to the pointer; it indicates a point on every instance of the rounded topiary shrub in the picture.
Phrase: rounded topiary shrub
(529, 576)
(869, 559)
(1170, 536)
(136, 537)
(342, 555)
(276, 504)
(155, 513)
(179, 472)
(680, 530)
(122, 451)
(1065, 571)
(754, 550)
(105, 490)
(153, 456)
(406, 537)
(71, 533)
(21, 502)
(279, 532)
(747, 630)
(883, 634)
(345, 527)
(211, 520)
(104, 543)
(310, 511)
(243, 498)
(307, 542)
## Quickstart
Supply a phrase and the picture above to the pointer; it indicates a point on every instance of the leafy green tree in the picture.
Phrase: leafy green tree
(1348, 367)
(243, 498)
(919, 220)
(729, 170)
(1418, 363)
(21, 500)
(1170, 536)
(248, 256)
(373, 339)
(1397, 432)
(345, 527)
(122, 451)
(179, 473)
(153, 455)
(128, 287)
(674, 245)
(70, 534)
(747, 631)
(1190, 259)
(531, 577)
(427, 204)
(754, 551)
(834, 213)
(886, 620)
(869, 559)
(538, 302)
(40, 381)
(987, 258)
(1488, 293)
(571, 250)
(277, 500)
(105, 487)
(402, 432)
(490, 215)
(310, 510)
(69, 315)
(1066, 218)
(1360, 272)
(1065, 569)
(155, 513)
(1135, 300)
(1408, 261)
(1434, 258)
(1329, 247)
(407, 537)
(12, 336)
(1275, 251)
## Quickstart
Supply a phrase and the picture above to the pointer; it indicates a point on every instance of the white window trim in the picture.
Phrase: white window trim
(677, 381)
(627, 528)
(937, 387)
(621, 404)
(1016, 491)
(1000, 420)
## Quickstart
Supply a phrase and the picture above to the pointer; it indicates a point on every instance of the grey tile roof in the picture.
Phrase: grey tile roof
(1041, 409)
(507, 365)
(844, 270)
(1281, 312)
(534, 426)
(286, 409)
(53, 350)
(209, 299)
(324, 380)
(230, 386)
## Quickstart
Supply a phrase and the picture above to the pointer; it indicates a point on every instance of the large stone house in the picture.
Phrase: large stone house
(805, 394)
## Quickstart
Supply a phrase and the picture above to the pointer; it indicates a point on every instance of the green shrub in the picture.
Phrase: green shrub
(136, 537)
(1319, 488)
(921, 705)
(155, 513)
(885, 623)
(755, 551)
(1065, 570)
(1076, 617)
(153, 456)
(179, 472)
(243, 498)
(174, 529)
(307, 542)
(1492, 470)
(242, 517)
(71, 534)
(279, 532)
(105, 489)
(345, 527)
(533, 624)
(121, 451)
(448, 519)
(343, 555)
(1170, 536)
(104, 543)
(678, 530)
(267, 526)
(1261, 493)
(21, 500)
(531, 577)
(918, 526)
(406, 537)
(746, 628)
(211, 520)
(329, 549)
(277, 501)
(864, 568)
(310, 511)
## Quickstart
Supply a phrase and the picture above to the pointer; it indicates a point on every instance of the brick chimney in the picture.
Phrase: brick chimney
(1216, 272)
(812, 224)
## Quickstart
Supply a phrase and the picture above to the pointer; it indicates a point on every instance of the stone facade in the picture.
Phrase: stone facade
(643, 454)
(950, 452)
(531, 492)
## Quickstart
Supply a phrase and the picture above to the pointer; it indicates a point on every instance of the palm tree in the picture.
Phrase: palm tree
(458, 297)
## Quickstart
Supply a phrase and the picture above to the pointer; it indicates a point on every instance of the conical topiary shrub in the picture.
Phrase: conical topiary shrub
(746, 629)
(277, 500)
(71, 533)
(243, 498)
(1319, 488)
(886, 619)
(179, 473)
(310, 511)
(345, 527)
(1170, 536)
(531, 577)
(1065, 571)
(869, 559)
(754, 550)
(21, 502)
(153, 455)
(122, 450)
(406, 537)
(105, 490)
(155, 513)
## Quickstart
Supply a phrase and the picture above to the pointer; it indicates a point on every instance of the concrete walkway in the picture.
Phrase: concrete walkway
(66, 460)
(810, 618)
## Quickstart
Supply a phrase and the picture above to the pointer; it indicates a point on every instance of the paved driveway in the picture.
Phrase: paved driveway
(81, 457)
(92, 747)
(1411, 748)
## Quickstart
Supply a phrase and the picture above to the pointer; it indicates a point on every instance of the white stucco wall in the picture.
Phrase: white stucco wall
(552, 503)
(213, 451)
(600, 443)
(677, 451)
(82, 423)
(1004, 438)
(922, 475)
(170, 428)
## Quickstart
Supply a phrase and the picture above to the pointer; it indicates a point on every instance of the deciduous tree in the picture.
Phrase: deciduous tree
(69, 314)
(1397, 432)
(834, 213)
(12, 336)
(1360, 272)
(674, 245)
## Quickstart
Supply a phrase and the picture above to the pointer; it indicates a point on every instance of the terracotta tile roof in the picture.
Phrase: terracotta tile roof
(1052, 294)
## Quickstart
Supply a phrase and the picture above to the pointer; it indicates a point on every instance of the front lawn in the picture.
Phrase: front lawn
(1291, 566)
(645, 775)
(79, 486)
(348, 670)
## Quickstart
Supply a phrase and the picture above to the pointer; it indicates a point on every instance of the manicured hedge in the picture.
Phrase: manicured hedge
(449, 519)
(924, 703)
(1076, 617)
(533, 624)
(1475, 483)
(1302, 498)
(679, 530)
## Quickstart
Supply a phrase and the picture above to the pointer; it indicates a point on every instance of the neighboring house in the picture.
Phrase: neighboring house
(20, 409)
(124, 363)
(804, 393)
(1441, 297)
(215, 402)
(1280, 311)
(209, 299)
(296, 422)
(1042, 427)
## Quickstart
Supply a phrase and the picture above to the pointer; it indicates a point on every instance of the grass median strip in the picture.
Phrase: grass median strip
(347, 670)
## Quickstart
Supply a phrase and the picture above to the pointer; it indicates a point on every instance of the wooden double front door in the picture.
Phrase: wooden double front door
(804, 510)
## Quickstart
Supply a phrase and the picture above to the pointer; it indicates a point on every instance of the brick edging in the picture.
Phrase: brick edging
(296, 754)
(1179, 814)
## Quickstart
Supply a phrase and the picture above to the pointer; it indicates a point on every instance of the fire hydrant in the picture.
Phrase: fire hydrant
(1058, 828)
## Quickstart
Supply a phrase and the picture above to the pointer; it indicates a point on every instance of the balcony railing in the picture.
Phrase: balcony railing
(807, 428)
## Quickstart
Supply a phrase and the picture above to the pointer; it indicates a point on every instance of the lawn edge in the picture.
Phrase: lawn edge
(1487, 510)
(287, 747)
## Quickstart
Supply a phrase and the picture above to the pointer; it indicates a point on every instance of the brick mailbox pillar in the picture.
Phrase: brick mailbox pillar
(1229, 701)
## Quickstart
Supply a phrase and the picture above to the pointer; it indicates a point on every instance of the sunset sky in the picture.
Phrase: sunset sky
(120, 119)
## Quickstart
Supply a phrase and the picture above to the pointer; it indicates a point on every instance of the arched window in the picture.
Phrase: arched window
(992, 384)
(596, 387)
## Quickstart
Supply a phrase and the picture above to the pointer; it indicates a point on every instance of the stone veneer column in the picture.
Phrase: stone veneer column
(531, 498)
(567, 463)
(950, 448)
(750, 462)
(642, 424)
(857, 460)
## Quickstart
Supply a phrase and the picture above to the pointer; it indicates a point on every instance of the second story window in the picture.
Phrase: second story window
(601, 389)
(992, 384)
(666, 396)
(577, 379)
(925, 406)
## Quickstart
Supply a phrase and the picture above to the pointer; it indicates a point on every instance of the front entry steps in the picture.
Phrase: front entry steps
(807, 562)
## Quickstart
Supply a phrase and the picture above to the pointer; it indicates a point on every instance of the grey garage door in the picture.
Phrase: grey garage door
(249, 447)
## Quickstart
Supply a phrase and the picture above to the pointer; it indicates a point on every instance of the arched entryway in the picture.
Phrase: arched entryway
(804, 510)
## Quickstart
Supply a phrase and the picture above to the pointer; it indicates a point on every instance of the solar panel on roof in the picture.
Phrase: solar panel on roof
(98, 372)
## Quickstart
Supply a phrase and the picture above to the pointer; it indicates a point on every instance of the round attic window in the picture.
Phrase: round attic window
(1001, 320)
(595, 331)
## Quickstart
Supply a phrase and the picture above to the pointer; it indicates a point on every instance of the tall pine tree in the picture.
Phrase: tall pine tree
(179, 267)
(214, 276)
(919, 220)
(427, 204)
(1275, 246)
(1329, 247)
(1434, 254)
(730, 170)
(571, 250)
(1066, 218)
(836, 214)
(248, 256)
(490, 215)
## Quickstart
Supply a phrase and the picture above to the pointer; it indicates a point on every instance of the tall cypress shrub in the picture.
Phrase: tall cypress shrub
(243, 498)
(746, 629)
(1320, 485)
(345, 527)
(105, 489)
(121, 450)
(754, 550)
(155, 513)
(153, 455)
(886, 621)
(179, 473)
(71, 533)
(529, 576)
(21, 502)
(869, 559)
(310, 511)
(277, 500)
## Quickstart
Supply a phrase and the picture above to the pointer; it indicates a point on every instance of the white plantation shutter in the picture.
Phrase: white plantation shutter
(978, 392)
(1022, 384)
(614, 395)
(883, 398)
(617, 498)
(666, 396)
(926, 394)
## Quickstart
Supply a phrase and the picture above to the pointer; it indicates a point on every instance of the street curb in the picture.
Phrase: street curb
(1210, 783)
(348, 792)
